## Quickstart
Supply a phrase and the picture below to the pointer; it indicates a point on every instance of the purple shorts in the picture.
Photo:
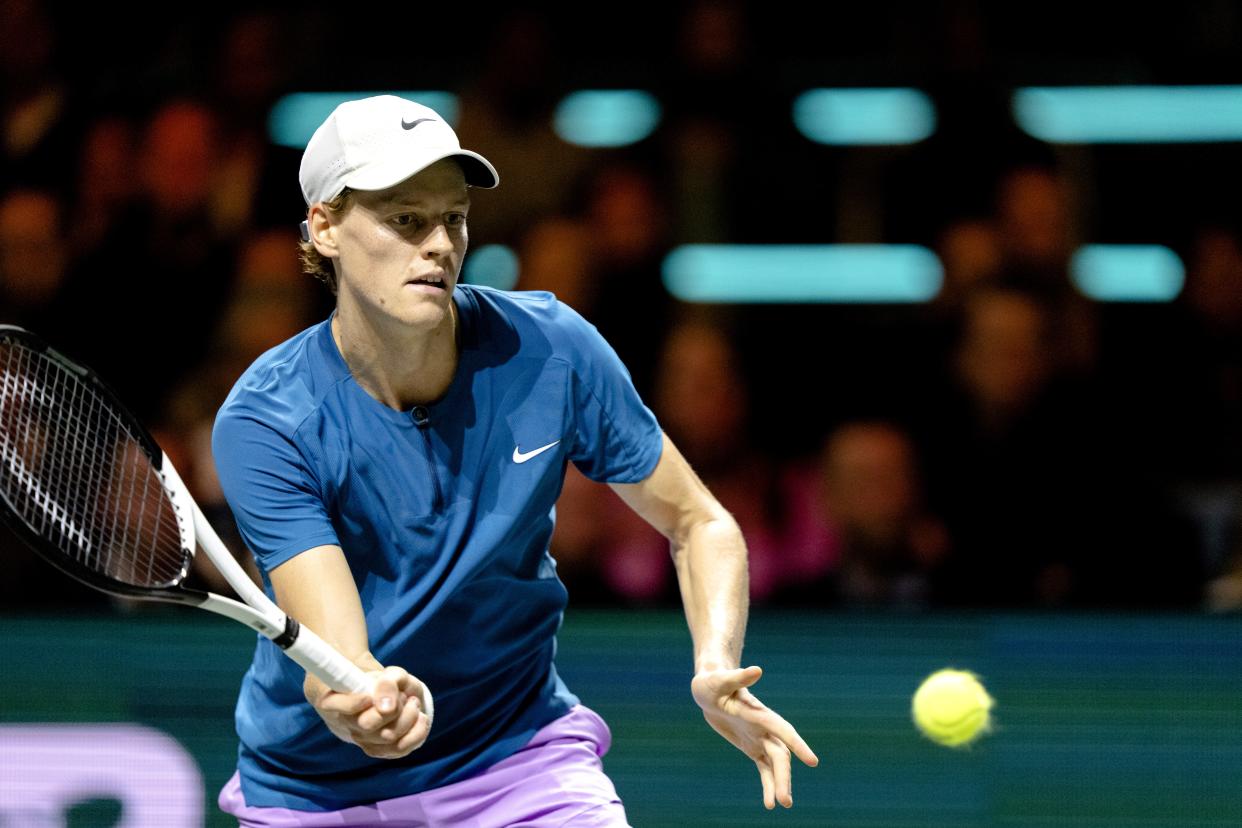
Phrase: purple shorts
(556, 779)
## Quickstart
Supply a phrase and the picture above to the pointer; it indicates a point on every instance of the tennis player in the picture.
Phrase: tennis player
(394, 470)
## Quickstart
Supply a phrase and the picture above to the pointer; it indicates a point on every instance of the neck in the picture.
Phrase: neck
(400, 366)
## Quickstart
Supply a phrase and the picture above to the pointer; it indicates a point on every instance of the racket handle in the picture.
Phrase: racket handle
(325, 662)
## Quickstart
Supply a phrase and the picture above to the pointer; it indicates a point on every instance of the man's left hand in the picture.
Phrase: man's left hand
(759, 732)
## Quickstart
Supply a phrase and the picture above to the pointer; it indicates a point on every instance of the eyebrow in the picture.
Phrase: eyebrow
(418, 202)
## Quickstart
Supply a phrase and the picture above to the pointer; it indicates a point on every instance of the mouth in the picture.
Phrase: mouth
(433, 283)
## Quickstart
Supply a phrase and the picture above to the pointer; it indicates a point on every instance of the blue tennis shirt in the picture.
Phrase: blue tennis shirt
(444, 513)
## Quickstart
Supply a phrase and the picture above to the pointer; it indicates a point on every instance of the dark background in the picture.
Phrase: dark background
(1009, 443)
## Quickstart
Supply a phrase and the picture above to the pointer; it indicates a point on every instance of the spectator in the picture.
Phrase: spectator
(703, 135)
(506, 114)
(1181, 375)
(36, 134)
(1010, 464)
(556, 255)
(251, 72)
(1038, 233)
(970, 250)
(34, 257)
(889, 548)
(626, 222)
(166, 250)
(106, 185)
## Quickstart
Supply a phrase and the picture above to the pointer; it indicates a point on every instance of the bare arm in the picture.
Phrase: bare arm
(710, 557)
(317, 588)
(708, 553)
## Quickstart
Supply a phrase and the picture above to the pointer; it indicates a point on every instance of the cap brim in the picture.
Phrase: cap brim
(478, 170)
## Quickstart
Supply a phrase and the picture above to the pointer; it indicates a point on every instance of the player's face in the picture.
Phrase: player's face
(400, 250)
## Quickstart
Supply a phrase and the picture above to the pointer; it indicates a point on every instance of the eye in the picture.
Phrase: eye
(455, 219)
(405, 220)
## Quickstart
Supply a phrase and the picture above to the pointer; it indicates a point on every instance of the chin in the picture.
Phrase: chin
(428, 311)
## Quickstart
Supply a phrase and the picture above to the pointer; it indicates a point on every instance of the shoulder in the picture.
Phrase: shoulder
(280, 388)
(535, 318)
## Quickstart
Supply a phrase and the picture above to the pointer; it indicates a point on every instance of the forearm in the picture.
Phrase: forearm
(713, 577)
(708, 552)
(318, 589)
(394, 716)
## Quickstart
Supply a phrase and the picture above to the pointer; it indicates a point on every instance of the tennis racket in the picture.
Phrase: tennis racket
(86, 485)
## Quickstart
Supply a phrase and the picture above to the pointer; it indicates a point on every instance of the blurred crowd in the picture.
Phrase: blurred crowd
(1008, 444)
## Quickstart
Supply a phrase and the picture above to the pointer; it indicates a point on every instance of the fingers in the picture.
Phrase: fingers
(349, 704)
(755, 712)
(403, 730)
(388, 699)
(411, 686)
(410, 711)
(776, 724)
(409, 731)
(371, 720)
(801, 749)
(778, 757)
(387, 688)
(416, 736)
(769, 784)
(386, 723)
(764, 735)
(406, 683)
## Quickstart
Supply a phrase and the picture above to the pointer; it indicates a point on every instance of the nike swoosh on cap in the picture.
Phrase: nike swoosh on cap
(412, 124)
(519, 457)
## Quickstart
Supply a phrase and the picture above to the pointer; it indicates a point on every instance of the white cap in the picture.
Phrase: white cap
(374, 143)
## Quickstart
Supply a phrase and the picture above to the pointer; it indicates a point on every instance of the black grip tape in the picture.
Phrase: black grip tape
(285, 640)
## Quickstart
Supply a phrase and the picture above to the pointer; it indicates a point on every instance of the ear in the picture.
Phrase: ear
(322, 231)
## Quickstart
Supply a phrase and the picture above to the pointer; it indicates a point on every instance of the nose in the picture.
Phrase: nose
(437, 243)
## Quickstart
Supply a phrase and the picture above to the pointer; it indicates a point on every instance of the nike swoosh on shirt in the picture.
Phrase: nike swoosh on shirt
(519, 457)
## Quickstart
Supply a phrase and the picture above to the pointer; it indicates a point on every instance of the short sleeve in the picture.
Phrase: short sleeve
(617, 438)
(270, 489)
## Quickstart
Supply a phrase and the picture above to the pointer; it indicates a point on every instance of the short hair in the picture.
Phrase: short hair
(315, 263)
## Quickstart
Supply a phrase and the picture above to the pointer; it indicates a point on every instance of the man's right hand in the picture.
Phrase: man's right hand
(386, 723)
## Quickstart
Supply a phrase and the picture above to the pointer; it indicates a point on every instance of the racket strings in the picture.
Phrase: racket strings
(72, 469)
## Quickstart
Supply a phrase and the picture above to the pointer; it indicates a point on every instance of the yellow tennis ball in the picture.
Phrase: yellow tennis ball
(951, 708)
